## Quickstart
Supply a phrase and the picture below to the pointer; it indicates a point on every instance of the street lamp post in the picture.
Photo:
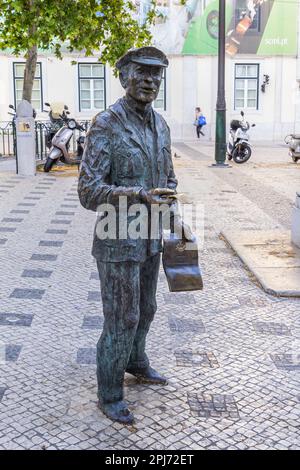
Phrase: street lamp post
(220, 143)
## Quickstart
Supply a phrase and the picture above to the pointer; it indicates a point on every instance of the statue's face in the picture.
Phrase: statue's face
(143, 82)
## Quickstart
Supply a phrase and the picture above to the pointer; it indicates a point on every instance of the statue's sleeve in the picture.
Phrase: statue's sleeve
(172, 180)
(94, 184)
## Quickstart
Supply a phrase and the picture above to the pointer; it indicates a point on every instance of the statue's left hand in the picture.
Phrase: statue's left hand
(182, 229)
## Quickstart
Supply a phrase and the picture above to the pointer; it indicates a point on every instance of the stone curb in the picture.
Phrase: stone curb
(240, 250)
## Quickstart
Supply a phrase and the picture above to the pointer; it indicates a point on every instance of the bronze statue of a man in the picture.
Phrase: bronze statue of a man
(128, 154)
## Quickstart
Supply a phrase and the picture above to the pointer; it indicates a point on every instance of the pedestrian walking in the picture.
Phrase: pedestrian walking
(199, 122)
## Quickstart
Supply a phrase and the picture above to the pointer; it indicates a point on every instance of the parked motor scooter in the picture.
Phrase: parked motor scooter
(293, 141)
(61, 144)
(238, 147)
(55, 111)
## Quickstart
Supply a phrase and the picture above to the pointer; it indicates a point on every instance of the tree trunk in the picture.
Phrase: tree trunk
(29, 73)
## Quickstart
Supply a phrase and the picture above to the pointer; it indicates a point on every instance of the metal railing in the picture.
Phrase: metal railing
(42, 128)
(7, 139)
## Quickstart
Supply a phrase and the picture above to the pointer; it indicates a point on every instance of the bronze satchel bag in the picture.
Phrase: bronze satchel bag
(181, 264)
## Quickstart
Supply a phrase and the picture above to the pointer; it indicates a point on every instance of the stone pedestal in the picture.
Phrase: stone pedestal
(295, 232)
(25, 131)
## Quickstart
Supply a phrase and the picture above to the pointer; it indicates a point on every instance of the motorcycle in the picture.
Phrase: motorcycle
(293, 141)
(56, 109)
(238, 147)
(59, 150)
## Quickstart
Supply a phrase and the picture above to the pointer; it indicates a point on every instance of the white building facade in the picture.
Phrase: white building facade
(262, 69)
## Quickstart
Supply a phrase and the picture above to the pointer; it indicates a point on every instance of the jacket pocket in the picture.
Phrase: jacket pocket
(130, 164)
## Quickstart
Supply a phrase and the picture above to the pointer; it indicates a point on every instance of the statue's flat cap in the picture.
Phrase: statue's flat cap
(147, 55)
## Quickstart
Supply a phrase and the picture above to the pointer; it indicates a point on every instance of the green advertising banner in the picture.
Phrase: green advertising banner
(264, 27)
(280, 34)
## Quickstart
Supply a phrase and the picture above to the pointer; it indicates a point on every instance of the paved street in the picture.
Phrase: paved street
(231, 352)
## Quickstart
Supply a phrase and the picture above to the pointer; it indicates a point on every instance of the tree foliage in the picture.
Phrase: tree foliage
(107, 27)
(81, 24)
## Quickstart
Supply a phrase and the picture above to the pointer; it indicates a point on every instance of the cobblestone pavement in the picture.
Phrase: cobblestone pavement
(231, 352)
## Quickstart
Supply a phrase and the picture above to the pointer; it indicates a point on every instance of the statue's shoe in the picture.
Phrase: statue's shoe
(117, 411)
(148, 375)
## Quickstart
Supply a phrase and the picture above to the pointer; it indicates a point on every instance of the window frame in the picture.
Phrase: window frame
(164, 81)
(90, 78)
(247, 78)
(40, 78)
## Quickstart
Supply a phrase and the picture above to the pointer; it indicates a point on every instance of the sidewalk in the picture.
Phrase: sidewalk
(268, 254)
(231, 352)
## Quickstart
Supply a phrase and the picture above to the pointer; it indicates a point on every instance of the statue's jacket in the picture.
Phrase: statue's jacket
(118, 162)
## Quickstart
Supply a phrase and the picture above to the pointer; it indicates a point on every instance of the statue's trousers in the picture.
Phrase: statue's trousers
(128, 291)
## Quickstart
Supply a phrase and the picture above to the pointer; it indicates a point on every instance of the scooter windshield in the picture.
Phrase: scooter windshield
(57, 109)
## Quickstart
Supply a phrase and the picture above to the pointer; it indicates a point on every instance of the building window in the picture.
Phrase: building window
(246, 86)
(241, 11)
(160, 102)
(91, 87)
(37, 91)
